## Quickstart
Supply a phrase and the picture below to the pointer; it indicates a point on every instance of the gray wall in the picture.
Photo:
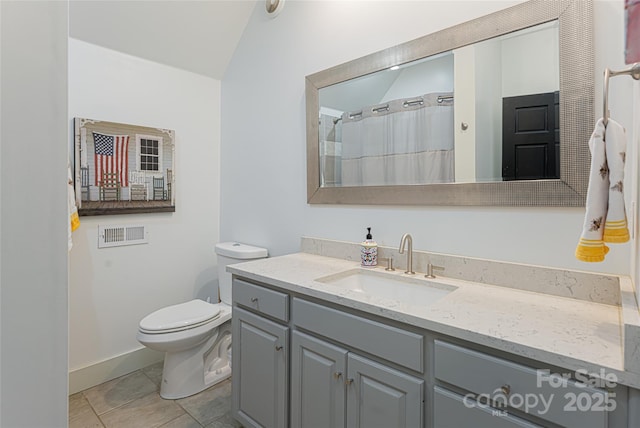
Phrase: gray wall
(33, 214)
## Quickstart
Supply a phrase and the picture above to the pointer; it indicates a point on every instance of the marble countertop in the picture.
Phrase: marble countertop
(566, 332)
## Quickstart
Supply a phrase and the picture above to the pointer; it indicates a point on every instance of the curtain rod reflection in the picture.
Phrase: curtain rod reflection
(408, 103)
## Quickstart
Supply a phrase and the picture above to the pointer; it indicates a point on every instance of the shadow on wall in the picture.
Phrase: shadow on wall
(83, 295)
(207, 285)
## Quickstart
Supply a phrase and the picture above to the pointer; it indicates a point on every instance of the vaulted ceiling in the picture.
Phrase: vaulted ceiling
(194, 35)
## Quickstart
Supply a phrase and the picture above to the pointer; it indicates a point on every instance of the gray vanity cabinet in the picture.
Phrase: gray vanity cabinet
(453, 410)
(260, 359)
(331, 386)
(551, 398)
(318, 373)
(379, 396)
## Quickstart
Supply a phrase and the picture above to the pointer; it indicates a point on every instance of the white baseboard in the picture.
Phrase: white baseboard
(95, 374)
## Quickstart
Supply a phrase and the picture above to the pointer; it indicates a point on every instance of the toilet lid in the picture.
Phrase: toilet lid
(180, 317)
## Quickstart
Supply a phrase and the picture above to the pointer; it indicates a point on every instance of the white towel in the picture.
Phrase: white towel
(615, 228)
(605, 200)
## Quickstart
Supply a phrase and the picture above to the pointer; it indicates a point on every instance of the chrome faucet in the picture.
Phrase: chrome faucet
(406, 238)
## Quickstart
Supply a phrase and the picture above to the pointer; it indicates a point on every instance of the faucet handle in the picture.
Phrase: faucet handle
(389, 261)
(430, 268)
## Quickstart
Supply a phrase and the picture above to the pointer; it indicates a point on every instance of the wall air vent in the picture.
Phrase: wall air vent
(118, 235)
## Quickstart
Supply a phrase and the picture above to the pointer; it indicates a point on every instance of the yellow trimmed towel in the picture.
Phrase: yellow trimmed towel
(591, 247)
(74, 220)
(615, 227)
(605, 218)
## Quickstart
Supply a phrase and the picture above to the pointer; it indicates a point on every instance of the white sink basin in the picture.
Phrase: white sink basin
(415, 290)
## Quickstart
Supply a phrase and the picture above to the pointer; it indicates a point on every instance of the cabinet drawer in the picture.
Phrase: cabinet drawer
(260, 299)
(454, 411)
(392, 344)
(549, 397)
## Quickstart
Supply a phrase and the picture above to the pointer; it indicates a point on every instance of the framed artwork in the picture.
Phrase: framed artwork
(632, 24)
(123, 169)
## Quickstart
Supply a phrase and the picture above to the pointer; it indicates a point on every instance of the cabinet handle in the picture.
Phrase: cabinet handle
(337, 375)
(254, 299)
(348, 382)
(506, 389)
(278, 347)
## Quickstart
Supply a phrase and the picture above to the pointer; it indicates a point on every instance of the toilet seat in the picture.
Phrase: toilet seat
(179, 317)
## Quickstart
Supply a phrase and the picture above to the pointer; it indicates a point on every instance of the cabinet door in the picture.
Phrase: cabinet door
(455, 411)
(378, 396)
(260, 372)
(318, 372)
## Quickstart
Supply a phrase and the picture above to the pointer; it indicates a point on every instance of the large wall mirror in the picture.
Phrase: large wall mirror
(495, 111)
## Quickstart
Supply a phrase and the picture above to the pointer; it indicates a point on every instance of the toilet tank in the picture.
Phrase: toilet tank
(230, 253)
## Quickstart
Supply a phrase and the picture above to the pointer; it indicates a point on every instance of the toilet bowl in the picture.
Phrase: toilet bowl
(196, 348)
(196, 335)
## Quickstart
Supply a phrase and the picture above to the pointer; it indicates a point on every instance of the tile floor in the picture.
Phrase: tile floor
(133, 401)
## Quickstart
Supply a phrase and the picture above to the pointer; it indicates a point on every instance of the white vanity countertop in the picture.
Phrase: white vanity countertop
(560, 331)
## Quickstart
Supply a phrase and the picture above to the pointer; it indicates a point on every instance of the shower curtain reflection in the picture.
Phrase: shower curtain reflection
(330, 150)
(405, 141)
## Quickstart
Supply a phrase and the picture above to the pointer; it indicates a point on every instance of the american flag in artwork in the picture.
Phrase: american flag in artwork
(111, 156)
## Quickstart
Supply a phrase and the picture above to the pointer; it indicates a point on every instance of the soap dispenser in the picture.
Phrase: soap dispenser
(369, 251)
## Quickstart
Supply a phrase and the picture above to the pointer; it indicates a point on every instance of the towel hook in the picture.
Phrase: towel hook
(633, 71)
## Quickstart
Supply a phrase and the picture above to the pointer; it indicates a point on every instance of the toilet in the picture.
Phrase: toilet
(196, 336)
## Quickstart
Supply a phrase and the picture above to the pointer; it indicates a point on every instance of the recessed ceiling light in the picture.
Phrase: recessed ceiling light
(395, 67)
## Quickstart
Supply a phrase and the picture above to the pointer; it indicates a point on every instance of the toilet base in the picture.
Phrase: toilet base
(191, 371)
